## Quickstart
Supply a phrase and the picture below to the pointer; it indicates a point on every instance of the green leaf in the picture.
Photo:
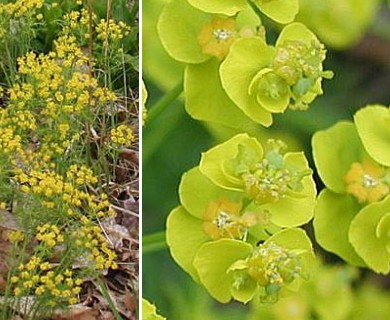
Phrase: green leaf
(196, 192)
(206, 99)
(212, 161)
(227, 7)
(363, 234)
(334, 150)
(332, 218)
(373, 126)
(185, 236)
(246, 58)
(282, 11)
(212, 262)
(179, 41)
(296, 208)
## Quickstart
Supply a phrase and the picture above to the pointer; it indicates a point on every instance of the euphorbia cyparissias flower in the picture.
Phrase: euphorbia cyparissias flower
(354, 181)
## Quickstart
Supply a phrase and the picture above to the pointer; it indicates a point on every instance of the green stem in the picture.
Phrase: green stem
(165, 101)
(256, 9)
(106, 295)
(153, 242)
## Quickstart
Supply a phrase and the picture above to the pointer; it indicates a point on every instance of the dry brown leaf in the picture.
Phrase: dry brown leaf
(77, 312)
(129, 301)
(115, 232)
(8, 221)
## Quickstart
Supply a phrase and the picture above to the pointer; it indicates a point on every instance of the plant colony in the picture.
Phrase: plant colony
(238, 229)
(64, 122)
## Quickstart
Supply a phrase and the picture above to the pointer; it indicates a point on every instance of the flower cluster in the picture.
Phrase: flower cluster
(111, 30)
(46, 281)
(239, 195)
(21, 7)
(90, 238)
(353, 162)
(223, 41)
(122, 135)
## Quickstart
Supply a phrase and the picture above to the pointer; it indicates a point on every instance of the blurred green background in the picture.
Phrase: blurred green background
(358, 41)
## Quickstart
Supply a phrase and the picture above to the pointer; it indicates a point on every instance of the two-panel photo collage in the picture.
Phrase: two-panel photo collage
(194, 159)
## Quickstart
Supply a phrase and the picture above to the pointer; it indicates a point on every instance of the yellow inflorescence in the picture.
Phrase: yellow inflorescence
(49, 235)
(43, 281)
(21, 7)
(111, 30)
(122, 135)
(91, 238)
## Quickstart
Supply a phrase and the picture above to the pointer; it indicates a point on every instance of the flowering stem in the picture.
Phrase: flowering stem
(165, 101)
(153, 242)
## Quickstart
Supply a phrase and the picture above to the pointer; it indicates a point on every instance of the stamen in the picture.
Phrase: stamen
(222, 34)
(369, 182)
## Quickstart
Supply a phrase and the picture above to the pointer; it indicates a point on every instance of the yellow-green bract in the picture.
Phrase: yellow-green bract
(241, 194)
(149, 311)
(339, 24)
(282, 11)
(350, 216)
(263, 79)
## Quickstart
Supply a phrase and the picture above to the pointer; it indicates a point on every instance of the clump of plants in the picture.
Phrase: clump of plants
(242, 227)
(68, 127)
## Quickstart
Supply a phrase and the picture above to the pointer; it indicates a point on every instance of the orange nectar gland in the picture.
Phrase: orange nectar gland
(365, 181)
(223, 219)
(217, 36)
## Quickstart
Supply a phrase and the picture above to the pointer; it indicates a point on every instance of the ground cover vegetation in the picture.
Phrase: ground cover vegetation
(68, 159)
(271, 121)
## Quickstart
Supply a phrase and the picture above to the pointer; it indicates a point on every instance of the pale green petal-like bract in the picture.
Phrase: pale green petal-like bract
(328, 19)
(298, 32)
(246, 58)
(334, 150)
(179, 26)
(282, 11)
(332, 218)
(196, 192)
(212, 262)
(373, 126)
(149, 311)
(370, 244)
(206, 99)
(213, 160)
(184, 237)
(227, 7)
(295, 209)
